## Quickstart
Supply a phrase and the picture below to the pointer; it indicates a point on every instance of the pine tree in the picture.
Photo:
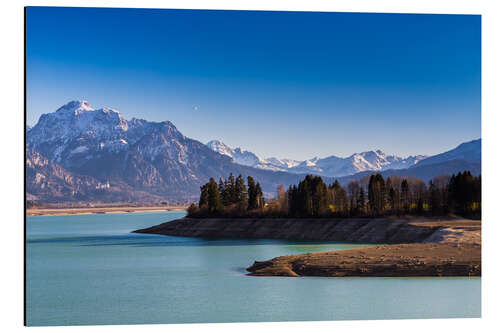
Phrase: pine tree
(252, 193)
(226, 193)
(241, 195)
(203, 196)
(222, 191)
(361, 200)
(405, 196)
(293, 202)
(213, 196)
(231, 188)
(392, 199)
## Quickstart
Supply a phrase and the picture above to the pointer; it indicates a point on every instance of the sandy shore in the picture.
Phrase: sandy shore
(452, 250)
(98, 210)
(356, 230)
(421, 246)
(403, 260)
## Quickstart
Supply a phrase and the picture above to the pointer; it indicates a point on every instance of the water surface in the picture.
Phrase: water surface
(89, 269)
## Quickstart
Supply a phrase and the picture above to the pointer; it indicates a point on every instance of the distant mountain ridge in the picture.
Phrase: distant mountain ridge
(331, 166)
(467, 151)
(248, 158)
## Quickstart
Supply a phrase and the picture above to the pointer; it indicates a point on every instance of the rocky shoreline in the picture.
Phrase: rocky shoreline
(360, 230)
(405, 260)
(416, 247)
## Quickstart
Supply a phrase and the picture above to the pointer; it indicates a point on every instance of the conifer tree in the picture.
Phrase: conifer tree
(392, 199)
(213, 196)
(241, 195)
(361, 201)
(203, 196)
(405, 196)
(252, 193)
(231, 188)
(222, 192)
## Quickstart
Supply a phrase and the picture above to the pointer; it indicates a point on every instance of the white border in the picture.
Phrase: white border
(11, 131)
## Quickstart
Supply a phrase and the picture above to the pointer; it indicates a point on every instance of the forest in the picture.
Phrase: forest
(373, 196)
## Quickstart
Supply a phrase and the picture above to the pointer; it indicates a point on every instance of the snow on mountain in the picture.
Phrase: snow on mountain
(285, 163)
(331, 166)
(248, 158)
(220, 147)
(140, 160)
(239, 156)
(77, 132)
(76, 128)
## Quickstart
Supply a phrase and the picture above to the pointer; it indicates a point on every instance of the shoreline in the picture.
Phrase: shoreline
(99, 210)
(412, 247)
(454, 249)
(352, 230)
(402, 260)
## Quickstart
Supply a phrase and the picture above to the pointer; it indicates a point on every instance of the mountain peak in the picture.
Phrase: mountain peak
(216, 143)
(75, 107)
(220, 147)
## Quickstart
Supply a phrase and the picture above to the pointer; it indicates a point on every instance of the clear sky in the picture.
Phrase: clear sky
(283, 84)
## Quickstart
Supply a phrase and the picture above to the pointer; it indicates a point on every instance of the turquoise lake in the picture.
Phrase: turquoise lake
(89, 270)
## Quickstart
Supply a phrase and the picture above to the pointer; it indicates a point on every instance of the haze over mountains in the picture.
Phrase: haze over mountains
(331, 166)
(79, 153)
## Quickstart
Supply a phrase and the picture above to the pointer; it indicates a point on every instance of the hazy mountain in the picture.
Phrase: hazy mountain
(467, 151)
(466, 156)
(331, 166)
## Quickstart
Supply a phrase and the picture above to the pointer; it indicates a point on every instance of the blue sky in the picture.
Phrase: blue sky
(284, 84)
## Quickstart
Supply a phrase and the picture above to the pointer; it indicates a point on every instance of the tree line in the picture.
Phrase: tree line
(372, 196)
(231, 196)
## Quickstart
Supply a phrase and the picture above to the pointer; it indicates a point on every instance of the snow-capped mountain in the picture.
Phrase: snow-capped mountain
(140, 160)
(76, 128)
(331, 166)
(248, 158)
(334, 166)
(238, 156)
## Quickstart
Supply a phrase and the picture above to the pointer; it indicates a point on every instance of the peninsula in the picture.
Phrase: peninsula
(438, 243)
(413, 247)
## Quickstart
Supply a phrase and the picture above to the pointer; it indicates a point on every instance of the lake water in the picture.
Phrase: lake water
(89, 269)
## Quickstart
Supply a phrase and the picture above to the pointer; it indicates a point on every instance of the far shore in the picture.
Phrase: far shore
(100, 210)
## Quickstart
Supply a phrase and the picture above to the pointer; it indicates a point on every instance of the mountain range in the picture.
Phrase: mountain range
(82, 154)
(331, 166)
(77, 150)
